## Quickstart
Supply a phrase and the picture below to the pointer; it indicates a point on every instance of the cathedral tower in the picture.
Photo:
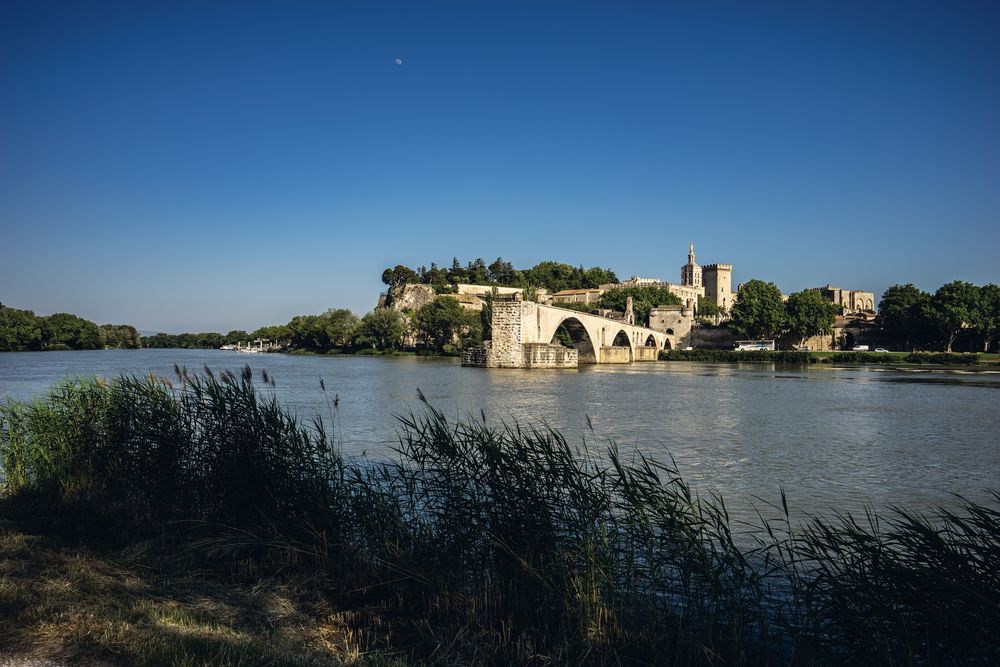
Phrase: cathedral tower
(691, 272)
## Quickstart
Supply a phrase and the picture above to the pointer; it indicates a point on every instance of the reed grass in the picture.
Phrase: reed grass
(501, 543)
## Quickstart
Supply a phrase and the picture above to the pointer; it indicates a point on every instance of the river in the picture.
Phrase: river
(835, 438)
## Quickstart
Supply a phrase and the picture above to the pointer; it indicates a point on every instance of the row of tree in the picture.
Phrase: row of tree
(553, 276)
(442, 325)
(22, 330)
(910, 317)
(917, 319)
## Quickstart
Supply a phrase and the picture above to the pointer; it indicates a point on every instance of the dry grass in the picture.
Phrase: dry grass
(74, 604)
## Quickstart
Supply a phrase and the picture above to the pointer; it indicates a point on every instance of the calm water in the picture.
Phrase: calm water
(834, 438)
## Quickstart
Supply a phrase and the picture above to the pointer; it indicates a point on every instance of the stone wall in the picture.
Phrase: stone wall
(545, 355)
(476, 357)
(533, 355)
(646, 353)
(615, 355)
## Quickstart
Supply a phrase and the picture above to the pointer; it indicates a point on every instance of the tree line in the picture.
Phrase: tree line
(920, 320)
(910, 318)
(22, 330)
(441, 326)
(553, 276)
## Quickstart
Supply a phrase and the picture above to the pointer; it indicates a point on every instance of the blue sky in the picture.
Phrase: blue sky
(210, 166)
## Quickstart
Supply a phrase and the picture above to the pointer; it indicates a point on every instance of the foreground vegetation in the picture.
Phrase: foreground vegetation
(478, 544)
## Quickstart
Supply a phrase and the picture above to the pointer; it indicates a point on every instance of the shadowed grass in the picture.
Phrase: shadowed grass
(490, 543)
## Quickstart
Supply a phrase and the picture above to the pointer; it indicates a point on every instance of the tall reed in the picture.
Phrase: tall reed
(512, 542)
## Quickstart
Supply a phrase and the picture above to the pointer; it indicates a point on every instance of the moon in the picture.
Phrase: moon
(398, 61)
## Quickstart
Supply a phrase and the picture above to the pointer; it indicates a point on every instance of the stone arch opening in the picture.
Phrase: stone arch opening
(650, 341)
(670, 331)
(666, 344)
(621, 340)
(575, 335)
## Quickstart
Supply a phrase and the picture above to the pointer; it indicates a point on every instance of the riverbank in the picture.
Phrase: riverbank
(479, 543)
(962, 359)
(71, 600)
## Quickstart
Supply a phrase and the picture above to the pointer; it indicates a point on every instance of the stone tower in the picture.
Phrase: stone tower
(629, 311)
(719, 284)
(691, 272)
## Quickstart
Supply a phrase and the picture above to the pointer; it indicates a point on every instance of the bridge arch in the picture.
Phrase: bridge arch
(623, 339)
(583, 340)
(650, 341)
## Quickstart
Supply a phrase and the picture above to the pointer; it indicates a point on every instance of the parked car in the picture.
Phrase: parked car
(859, 348)
(881, 349)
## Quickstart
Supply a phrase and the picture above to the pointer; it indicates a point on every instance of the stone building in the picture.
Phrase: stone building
(849, 301)
(591, 295)
(674, 320)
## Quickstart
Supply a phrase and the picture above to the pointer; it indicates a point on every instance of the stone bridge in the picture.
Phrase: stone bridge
(524, 336)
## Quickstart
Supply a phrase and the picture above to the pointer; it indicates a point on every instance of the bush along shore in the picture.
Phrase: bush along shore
(799, 357)
(193, 520)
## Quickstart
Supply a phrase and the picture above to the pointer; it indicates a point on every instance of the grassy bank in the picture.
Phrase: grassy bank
(796, 357)
(477, 544)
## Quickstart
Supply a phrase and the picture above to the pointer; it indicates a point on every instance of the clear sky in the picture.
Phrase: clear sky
(210, 166)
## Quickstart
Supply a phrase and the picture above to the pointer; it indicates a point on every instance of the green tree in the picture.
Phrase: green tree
(553, 276)
(955, 306)
(435, 276)
(381, 329)
(595, 277)
(476, 272)
(707, 307)
(988, 318)
(400, 275)
(236, 336)
(278, 333)
(444, 325)
(501, 272)
(486, 314)
(308, 333)
(906, 315)
(19, 330)
(120, 336)
(809, 314)
(340, 324)
(64, 330)
(644, 299)
(758, 311)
